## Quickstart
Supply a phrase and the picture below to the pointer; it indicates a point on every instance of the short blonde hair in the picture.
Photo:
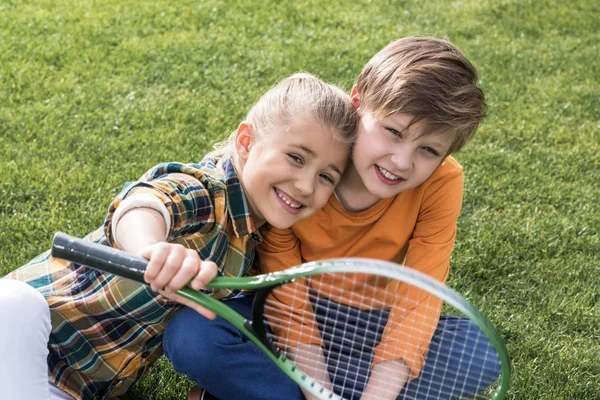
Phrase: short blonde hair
(297, 98)
(427, 78)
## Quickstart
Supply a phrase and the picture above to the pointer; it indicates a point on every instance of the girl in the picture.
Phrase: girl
(102, 332)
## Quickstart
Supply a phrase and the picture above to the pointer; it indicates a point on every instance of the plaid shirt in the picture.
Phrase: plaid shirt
(106, 331)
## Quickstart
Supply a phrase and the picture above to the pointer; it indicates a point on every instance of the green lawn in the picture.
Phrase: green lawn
(92, 93)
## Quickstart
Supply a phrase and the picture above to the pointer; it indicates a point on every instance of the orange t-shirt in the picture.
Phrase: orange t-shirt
(416, 228)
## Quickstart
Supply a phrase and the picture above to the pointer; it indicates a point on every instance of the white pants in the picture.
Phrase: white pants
(24, 337)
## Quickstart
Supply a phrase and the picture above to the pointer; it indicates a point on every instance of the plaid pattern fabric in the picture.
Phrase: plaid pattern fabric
(106, 331)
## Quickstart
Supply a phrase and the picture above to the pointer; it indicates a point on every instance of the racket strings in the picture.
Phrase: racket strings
(356, 339)
(340, 328)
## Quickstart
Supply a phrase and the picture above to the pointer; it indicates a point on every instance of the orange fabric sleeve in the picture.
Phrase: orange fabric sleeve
(429, 251)
(279, 250)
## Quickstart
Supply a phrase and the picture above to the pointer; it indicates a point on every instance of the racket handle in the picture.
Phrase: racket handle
(98, 256)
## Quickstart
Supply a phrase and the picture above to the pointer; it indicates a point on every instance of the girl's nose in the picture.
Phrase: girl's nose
(305, 184)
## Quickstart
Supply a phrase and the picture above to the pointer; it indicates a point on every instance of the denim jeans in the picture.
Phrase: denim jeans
(223, 361)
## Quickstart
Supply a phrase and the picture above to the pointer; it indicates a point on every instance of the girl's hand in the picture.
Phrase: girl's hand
(172, 266)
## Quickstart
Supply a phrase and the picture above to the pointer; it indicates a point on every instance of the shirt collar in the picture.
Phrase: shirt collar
(237, 204)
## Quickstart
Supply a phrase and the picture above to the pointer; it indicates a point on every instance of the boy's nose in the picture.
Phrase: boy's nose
(402, 160)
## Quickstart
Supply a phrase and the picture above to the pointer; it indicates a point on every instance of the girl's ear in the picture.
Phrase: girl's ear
(243, 140)
(355, 98)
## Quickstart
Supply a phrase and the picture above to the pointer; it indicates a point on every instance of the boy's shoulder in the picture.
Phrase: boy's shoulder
(449, 169)
(447, 181)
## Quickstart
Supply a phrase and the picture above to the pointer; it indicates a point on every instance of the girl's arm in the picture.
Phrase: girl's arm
(142, 231)
(178, 191)
(169, 201)
(139, 228)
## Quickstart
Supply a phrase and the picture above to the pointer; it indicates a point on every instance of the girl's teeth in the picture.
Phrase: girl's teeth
(287, 201)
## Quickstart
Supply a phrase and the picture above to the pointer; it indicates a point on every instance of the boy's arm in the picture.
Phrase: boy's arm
(310, 357)
(386, 380)
(280, 249)
(429, 252)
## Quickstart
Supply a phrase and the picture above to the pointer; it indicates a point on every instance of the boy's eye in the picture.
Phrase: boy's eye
(393, 131)
(295, 158)
(431, 151)
(327, 178)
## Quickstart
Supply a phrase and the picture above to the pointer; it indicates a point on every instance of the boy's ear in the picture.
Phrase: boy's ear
(354, 97)
(243, 140)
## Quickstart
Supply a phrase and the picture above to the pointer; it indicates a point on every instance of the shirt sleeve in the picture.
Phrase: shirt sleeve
(279, 250)
(183, 191)
(410, 329)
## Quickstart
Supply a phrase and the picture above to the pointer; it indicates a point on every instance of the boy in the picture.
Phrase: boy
(399, 201)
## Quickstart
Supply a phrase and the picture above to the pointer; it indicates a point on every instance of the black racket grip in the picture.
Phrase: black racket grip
(98, 256)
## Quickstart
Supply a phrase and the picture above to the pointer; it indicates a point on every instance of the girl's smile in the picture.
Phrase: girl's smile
(290, 174)
(288, 203)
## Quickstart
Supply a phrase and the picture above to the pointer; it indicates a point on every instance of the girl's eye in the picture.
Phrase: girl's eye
(295, 158)
(327, 178)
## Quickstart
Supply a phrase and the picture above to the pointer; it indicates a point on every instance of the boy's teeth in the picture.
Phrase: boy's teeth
(388, 174)
(287, 201)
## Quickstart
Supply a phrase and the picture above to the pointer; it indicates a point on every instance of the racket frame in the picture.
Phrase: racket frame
(108, 259)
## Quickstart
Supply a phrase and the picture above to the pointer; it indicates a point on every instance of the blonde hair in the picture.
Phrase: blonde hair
(431, 80)
(299, 97)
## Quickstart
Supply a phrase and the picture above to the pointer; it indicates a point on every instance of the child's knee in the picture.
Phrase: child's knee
(187, 337)
(22, 306)
(484, 351)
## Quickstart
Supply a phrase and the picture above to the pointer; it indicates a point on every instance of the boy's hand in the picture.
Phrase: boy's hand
(387, 380)
(172, 266)
(310, 357)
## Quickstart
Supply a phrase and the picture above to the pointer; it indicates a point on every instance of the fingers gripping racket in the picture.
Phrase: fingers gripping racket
(349, 328)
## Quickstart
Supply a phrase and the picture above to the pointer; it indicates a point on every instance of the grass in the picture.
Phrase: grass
(93, 93)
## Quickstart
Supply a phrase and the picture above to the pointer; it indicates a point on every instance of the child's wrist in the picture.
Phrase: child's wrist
(140, 201)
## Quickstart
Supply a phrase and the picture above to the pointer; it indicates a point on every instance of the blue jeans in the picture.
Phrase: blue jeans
(223, 361)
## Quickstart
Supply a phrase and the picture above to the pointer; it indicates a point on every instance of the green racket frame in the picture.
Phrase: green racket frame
(132, 267)
(353, 265)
